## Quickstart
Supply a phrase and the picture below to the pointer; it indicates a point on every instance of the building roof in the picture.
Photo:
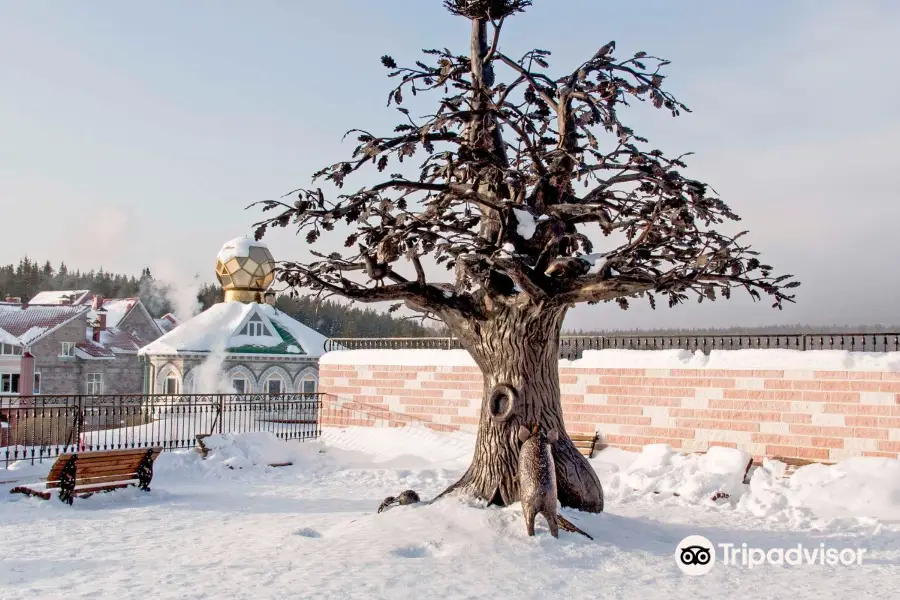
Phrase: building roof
(24, 324)
(8, 338)
(167, 322)
(112, 341)
(222, 328)
(29, 323)
(62, 297)
(116, 309)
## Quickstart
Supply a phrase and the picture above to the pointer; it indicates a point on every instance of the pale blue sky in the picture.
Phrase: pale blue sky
(134, 133)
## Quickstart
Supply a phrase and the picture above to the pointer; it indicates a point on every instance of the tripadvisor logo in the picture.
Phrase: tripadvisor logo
(696, 555)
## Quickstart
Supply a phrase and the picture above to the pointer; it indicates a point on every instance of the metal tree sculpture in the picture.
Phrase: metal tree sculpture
(497, 202)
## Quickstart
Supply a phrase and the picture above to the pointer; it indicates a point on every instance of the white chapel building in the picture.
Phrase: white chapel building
(244, 345)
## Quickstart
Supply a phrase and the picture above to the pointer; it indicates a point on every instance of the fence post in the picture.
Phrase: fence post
(79, 425)
(221, 412)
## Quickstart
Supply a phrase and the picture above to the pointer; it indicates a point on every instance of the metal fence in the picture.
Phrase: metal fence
(36, 428)
(571, 347)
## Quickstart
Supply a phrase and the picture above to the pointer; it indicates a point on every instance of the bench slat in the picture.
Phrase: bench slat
(107, 464)
(89, 459)
(79, 477)
(109, 453)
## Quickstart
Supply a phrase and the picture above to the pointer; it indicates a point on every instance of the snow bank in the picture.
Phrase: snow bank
(406, 446)
(821, 360)
(258, 449)
(864, 487)
(857, 488)
(709, 478)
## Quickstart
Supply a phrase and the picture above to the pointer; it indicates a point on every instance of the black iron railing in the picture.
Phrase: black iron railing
(572, 346)
(35, 428)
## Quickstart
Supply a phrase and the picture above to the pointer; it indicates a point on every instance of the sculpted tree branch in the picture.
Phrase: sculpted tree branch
(494, 205)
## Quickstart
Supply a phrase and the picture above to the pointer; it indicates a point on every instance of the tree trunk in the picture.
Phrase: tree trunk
(518, 346)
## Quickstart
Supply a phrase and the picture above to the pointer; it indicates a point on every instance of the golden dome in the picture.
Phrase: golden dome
(244, 268)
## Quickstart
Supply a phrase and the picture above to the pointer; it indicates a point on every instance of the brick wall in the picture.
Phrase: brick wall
(804, 415)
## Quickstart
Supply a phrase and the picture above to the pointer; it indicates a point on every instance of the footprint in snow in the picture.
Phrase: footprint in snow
(310, 533)
(416, 551)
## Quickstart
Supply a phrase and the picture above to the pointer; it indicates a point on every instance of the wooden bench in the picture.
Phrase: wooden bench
(585, 443)
(84, 474)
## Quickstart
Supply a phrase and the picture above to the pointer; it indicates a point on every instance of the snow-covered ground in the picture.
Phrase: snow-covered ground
(231, 527)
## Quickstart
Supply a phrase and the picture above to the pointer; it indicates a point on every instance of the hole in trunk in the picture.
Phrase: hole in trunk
(502, 402)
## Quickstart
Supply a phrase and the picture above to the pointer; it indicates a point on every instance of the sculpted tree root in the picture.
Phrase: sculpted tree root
(406, 497)
(566, 524)
(411, 497)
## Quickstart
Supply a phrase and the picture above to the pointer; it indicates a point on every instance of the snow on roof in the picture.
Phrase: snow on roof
(61, 297)
(33, 334)
(8, 338)
(28, 322)
(238, 247)
(167, 323)
(116, 309)
(219, 325)
(311, 341)
(114, 341)
(88, 350)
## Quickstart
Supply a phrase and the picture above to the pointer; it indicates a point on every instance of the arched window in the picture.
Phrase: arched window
(240, 385)
(274, 381)
(241, 380)
(309, 385)
(169, 380)
(274, 385)
(171, 387)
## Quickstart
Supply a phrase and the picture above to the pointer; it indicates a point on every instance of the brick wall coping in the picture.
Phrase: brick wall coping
(732, 360)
